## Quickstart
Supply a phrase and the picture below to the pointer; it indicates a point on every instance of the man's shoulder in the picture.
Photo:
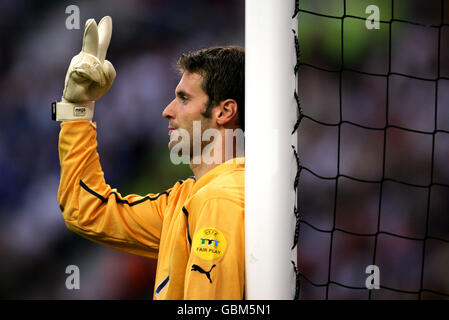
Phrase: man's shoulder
(186, 182)
(182, 187)
(223, 188)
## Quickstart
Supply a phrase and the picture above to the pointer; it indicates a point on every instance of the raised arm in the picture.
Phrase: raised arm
(89, 206)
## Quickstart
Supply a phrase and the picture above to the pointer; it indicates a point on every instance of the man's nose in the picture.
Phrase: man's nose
(168, 112)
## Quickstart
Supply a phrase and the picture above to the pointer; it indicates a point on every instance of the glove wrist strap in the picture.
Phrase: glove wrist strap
(66, 111)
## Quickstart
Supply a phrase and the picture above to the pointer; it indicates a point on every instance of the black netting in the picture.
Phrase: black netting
(373, 149)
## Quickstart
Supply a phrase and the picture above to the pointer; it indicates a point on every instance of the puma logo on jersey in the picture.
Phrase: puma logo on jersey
(201, 270)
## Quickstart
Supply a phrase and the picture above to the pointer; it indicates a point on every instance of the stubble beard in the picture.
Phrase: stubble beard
(175, 139)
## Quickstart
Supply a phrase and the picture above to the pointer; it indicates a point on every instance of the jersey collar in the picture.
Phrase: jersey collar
(230, 165)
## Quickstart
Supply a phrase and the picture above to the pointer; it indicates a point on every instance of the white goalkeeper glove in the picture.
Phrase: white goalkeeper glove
(89, 75)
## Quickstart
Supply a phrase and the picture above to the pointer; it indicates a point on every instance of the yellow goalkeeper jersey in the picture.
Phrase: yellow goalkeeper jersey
(195, 229)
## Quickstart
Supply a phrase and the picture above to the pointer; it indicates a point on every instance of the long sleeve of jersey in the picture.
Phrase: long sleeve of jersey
(93, 209)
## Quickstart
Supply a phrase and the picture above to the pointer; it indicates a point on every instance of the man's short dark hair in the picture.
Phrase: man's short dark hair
(223, 71)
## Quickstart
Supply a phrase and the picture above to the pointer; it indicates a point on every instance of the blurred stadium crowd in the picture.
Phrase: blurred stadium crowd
(377, 116)
(148, 37)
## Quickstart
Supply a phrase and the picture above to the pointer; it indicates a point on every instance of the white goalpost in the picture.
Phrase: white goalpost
(270, 114)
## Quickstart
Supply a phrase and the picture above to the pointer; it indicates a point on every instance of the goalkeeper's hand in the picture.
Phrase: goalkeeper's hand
(89, 75)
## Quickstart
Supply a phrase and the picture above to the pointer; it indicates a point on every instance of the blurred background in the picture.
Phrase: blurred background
(403, 227)
(36, 48)
(374, 143)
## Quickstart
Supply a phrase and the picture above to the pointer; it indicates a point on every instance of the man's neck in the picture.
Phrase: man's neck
(199, 167)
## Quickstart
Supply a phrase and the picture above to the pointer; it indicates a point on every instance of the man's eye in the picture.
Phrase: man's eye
(183, 98)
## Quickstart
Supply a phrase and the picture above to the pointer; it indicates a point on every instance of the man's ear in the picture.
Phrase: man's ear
(226, 112)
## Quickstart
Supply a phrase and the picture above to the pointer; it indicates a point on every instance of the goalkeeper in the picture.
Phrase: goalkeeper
(196, 228)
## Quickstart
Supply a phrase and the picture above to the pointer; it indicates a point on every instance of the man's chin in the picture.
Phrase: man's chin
(172, 143)
(179, 148)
